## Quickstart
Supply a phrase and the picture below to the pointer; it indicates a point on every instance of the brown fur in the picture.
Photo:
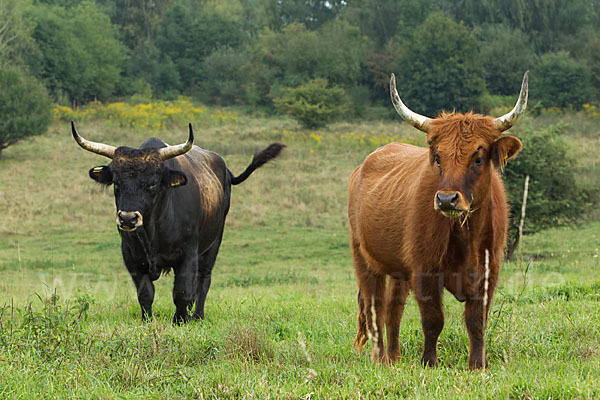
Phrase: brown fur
(401, 242)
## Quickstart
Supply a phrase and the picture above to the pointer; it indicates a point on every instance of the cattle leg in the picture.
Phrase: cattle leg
(476, 318)
(371, 287)
(145, 293)
(361, 336)
(184, 289)
(206, 262)
(428, 292)
(397, 291)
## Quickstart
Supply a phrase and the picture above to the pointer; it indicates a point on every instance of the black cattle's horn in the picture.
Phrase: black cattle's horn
(98, 148)
(508, 120)
(177, 150)
(419, 121)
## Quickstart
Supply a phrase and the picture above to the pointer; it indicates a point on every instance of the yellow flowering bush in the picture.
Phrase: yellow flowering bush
(156, 115)
(591, 111)
(352, 140)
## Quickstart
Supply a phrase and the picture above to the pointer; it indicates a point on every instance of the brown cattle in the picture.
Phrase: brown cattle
(425, 219)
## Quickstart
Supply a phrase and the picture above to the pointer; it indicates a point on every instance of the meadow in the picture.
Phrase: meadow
(281, 313)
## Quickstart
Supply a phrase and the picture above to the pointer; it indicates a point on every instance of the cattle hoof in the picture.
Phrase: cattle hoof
(478, 366)
(180, 319)
(392, 357)
(196, 317)
(429, 362)
(360, 341)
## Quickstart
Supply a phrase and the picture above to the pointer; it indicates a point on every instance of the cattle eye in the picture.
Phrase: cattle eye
(437, 161)
(152, 187)
(478, 161)
(117, 188)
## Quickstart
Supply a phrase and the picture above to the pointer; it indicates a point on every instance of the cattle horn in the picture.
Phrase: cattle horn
(174, 151)
(508, 120)
(98, 148)
(419, 121)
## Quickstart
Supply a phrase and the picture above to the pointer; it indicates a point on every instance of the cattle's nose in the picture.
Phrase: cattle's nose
(447, 201)
(128, 219)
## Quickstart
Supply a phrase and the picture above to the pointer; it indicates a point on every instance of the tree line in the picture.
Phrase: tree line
(315, 60)
(456, 54)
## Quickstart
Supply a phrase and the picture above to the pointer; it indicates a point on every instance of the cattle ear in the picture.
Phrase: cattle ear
(504, 149)
(173, 178)
(101, 174)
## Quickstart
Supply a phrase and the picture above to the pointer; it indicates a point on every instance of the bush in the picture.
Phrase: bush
(314, 105)
(554, 198)
(24, 107)
(152, 116)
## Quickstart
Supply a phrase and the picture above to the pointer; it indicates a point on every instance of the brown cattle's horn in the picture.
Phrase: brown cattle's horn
(174, 151)
(508, 120)
(98, 148)
(419, 121)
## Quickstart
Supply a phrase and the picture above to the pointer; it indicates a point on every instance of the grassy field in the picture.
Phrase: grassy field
(282, 308)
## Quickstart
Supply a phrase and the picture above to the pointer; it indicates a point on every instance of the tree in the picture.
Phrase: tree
(505, 54)
(15, 30)
(377, 19)
(79, 54)
(547, 23)
(24, 107)
(285, 59)
(561, 81)
(222, 79)
(136, 20)
(312, 13)
(296, 55)
(340, 53)
(591, 54)
(188, 40)
(147, 66)
(439, 67)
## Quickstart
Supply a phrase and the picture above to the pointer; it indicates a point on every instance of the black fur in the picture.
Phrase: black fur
(259, 159)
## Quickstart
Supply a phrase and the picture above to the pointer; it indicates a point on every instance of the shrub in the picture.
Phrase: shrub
(554, 197)
(314, 104)
(24, 107)
(154, 116)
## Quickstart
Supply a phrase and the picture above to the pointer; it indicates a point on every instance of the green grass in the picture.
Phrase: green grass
(281, 313)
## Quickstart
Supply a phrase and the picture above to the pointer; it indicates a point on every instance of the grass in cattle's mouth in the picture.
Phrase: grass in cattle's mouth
(461, 215)
(457, 214)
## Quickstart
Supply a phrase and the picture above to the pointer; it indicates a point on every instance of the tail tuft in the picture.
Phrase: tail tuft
(259, 159)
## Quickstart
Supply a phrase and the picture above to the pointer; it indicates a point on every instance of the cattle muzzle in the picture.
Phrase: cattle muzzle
(450, 203)
(129, 220)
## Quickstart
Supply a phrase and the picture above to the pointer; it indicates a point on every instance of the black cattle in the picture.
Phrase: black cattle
(171, 207)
